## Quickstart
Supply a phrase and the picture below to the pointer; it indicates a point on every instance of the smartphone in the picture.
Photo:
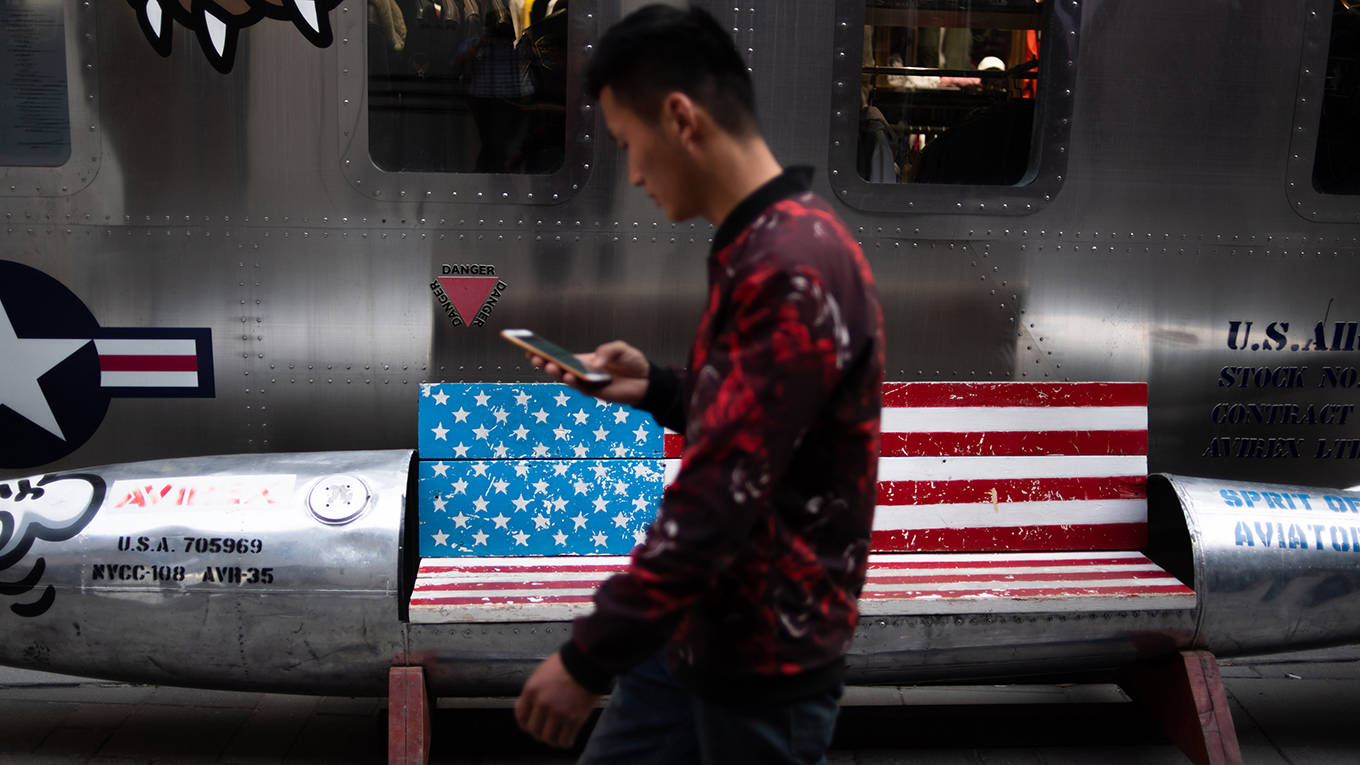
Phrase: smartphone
(555, 353)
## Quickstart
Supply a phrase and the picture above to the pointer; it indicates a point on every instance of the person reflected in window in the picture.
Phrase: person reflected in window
(498, 86)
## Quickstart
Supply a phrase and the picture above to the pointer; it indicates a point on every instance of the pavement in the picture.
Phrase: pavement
(1296, 708)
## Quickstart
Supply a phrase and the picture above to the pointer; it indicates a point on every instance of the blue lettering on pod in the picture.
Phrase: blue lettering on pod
(1242, 532)
(1337, 504)
(1229, 497)
(1339, 541)
(1297, 540)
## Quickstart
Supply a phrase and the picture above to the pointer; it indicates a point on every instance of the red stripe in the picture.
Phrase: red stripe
(1015, 443)
(674, 446)
(454, 569)
(502, 584)
(1014, 394)
(1153, 589)
(1012, 563)
(1011, 490)
(148, 363)
(1093, 536)
(530, 600)
(1066, 576)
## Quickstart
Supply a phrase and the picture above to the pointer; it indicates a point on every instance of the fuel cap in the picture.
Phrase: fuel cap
(338, 499)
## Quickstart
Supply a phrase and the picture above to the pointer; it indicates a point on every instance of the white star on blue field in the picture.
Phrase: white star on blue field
(533, 469)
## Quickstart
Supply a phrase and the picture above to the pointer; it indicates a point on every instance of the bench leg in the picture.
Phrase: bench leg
(408, 717)
(1186, 695)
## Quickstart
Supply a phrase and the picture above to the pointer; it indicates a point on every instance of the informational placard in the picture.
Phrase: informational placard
(35, 120)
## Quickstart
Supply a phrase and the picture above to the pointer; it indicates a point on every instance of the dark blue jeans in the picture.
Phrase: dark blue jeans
(650, 719)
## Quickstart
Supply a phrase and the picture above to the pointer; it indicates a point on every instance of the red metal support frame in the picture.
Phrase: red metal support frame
(1186, 695)
(408, 717)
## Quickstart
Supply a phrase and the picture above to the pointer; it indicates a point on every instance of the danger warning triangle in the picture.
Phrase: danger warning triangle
(467, 293)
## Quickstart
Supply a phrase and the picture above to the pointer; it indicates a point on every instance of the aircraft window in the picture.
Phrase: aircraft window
(1336, 165)
(948, 95)
(468, 86)
(35, 121)
(952, 105)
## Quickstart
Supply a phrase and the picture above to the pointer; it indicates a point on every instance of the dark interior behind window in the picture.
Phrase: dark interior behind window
(947, 91)
(35, 120)
(1336, 167)
(467, 86)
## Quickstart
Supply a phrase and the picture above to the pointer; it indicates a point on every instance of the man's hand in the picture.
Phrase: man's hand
(553, 706)
(627, 364)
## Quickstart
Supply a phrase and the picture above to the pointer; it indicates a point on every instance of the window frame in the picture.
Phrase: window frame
(1049, 146)
(1304, 198)
(82, 86)
(366, 177)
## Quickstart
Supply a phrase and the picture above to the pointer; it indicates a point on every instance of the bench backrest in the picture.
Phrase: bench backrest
(538, 469)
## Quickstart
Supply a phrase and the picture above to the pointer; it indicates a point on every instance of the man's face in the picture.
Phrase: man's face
(656, 158)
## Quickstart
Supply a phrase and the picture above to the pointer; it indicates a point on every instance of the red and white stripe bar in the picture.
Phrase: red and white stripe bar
(538, 589)
(1007, 466)
(147, 362)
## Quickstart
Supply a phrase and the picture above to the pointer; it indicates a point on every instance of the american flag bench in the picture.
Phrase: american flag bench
(993, 498)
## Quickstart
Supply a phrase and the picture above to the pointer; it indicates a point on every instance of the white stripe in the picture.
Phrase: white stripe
(968, 419)
(968, 468)
(499, 613)
(555, 561)
(964, 559)
(986, 515)
(1013, 586)
(992, 604)
(1000, 571)
(149, 346)
(148, 379)
(525, 593)
(672, 469)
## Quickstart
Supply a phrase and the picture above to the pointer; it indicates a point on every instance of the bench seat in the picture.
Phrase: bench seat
(559, 588)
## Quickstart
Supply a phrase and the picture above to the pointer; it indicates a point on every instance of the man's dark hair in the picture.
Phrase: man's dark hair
(658, 50)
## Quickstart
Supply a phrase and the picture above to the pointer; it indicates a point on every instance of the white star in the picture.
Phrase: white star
(540, 486)
(500, 414)
(541, 450)
(640, 433)
(639, 536)
(441, 469)
(560, 468)
(640, 504)
(600, 539)
(425, 389)
(541, 521)
(581, 451)
(441, 433)
(562, 434)
(521, 469)
(499, 485)
(581, 487)
(460, 486)
(440, 538)
(620, 487)
(559, 505)
(601, 434)
(481, 398)
(601, 472)
(500, 520)
(481, 433)
(521, 538)
(461, 415)
(620, 520)
(600, 504)
(501, 451)
(520, 503)
(560, 538)
(441, 398)
(521, 398)
(541, 416)
(480, 503)
(581, 417)
(480, 468)
(620, 416)
(520, 433)
(439, 504)
(460, 450)
(480, 537)
(620, 451)
(461, 520)
(579, 520)
(600, 403)
(561, 399)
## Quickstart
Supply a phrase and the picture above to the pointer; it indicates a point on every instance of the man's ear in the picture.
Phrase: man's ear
(682, 116)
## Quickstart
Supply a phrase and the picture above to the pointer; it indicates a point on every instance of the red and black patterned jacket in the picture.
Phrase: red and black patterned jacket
(753, 565)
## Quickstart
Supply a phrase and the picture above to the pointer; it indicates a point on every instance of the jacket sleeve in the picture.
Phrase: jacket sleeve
(769, 368)
(665, 397)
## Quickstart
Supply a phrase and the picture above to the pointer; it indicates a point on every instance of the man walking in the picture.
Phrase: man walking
(727, 633)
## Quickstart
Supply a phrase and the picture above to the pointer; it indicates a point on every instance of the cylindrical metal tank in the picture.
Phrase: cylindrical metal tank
(277, 572)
